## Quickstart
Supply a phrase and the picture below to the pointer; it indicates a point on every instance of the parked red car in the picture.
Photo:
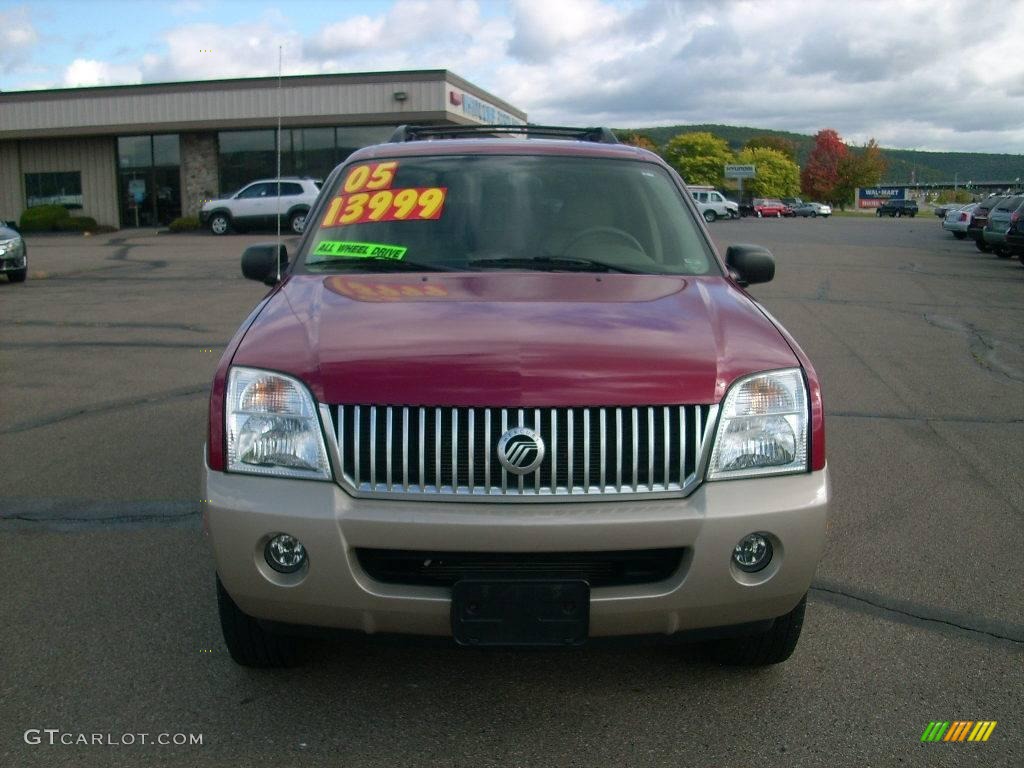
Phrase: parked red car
(769, 207)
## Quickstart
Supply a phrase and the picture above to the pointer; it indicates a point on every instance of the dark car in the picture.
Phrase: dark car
(979, 218)
(13, 254)
(508, 392)
(1015, 237)
(1000, 218)
(897, 208)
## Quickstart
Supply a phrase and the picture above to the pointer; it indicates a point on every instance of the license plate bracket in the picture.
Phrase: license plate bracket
(521, 613)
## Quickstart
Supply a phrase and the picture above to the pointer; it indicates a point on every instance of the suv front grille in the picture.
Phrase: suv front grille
(443, 569)
(453, 452)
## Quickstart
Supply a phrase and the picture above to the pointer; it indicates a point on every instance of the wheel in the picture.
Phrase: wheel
(878, 214)
(959, 235)
(898, 214)
(771, 647)
(814, 214)
(614, 231)
(1002, 253)
(709, 216)
(248, 642)
(220, 224)
(982, 246)
(18, 275)
(297, 222)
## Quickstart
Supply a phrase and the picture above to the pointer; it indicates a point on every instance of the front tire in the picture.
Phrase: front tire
(18, 275)
(982, 246)
(771, 647)
(220, 224)
(249, 644)
(959, 235)
(1002, 253)
(297, 222)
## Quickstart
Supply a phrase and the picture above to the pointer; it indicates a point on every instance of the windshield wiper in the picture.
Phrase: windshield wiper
(378, 264)
(552, 263)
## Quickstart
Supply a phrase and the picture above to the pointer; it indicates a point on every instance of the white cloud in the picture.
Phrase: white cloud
(17, 37)
(87, 72)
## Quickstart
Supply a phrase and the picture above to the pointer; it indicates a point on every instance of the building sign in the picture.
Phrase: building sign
(873, 197)
(476, 109)
(739, 172)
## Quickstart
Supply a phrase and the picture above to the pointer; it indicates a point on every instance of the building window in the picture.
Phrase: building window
(63, 188)
(246, 156)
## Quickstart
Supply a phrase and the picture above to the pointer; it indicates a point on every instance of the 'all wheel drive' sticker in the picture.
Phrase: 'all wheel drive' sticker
(341, 249)
(409, 204)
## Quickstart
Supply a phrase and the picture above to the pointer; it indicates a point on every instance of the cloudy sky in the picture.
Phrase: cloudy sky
(919, 75)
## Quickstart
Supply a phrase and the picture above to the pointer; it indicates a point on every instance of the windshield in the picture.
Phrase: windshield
(508, 212)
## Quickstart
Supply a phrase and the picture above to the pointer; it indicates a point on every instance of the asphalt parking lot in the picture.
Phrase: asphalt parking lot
(917, 612)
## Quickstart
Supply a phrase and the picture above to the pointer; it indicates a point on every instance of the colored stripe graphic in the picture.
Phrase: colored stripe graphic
(958, 730)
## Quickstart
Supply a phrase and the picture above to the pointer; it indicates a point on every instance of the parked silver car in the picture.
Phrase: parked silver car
(958, 219)
(13, 254)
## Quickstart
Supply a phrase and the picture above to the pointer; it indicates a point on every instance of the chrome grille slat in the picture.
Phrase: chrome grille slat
(595, 451)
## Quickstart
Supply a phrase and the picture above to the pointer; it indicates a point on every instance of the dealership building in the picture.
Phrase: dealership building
(143, 155)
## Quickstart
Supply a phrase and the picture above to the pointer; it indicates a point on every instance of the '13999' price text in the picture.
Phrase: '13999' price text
(413, 203)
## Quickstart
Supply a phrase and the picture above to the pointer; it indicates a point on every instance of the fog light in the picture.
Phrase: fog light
(753, 552)
(285, 553)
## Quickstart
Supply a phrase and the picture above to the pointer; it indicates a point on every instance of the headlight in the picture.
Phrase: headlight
(763, 427)
(272, 426)
(11, 248)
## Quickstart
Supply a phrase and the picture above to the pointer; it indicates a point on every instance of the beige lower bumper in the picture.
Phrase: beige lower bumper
(242, 512)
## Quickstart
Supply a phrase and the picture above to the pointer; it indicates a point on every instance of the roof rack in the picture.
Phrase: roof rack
(419, 132)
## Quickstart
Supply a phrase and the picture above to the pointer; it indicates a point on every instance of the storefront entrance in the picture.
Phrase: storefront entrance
(149, 182)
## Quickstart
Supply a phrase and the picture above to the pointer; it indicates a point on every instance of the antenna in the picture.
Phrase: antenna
(278, 217)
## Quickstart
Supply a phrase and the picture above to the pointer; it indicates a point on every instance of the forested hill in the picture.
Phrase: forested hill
(903, 163)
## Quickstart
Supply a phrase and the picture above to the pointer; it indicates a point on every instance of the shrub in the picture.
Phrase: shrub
(184, 224)
(43, 218)
(75, 224)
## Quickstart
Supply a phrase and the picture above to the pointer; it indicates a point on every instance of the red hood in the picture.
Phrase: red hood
(509, 338)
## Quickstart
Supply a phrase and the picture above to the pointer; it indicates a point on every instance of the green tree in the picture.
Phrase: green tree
(821, 174)
(699, 157)
(863, 167)
(777, 175)
(778, 143)
(636, 139)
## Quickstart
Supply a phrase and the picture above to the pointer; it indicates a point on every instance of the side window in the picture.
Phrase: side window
(253, 190)
(716, 197)
(290, 189)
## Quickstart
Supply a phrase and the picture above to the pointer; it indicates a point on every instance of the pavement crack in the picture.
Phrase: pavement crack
(924, 616)
(106, 407)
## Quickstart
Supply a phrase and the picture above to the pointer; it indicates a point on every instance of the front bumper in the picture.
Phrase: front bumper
(242, 512)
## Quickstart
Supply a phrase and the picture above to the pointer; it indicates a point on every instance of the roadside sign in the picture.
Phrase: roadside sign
(739, 172)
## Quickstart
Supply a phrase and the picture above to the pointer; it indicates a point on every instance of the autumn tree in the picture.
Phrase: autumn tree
(699, 157)
(635, 139)
(778, 143)
(862, 167)
(821, 174)
(776, 174)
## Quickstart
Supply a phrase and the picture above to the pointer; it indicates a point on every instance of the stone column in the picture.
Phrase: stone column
(200, 178)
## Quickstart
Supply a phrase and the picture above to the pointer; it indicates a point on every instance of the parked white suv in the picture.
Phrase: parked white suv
(712, 204)
(258, 205)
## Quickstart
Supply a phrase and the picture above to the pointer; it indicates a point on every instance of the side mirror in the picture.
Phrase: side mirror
(750, 263)
(258, 262)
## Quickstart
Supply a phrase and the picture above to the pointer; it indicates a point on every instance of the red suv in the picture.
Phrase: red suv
(508, 392)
